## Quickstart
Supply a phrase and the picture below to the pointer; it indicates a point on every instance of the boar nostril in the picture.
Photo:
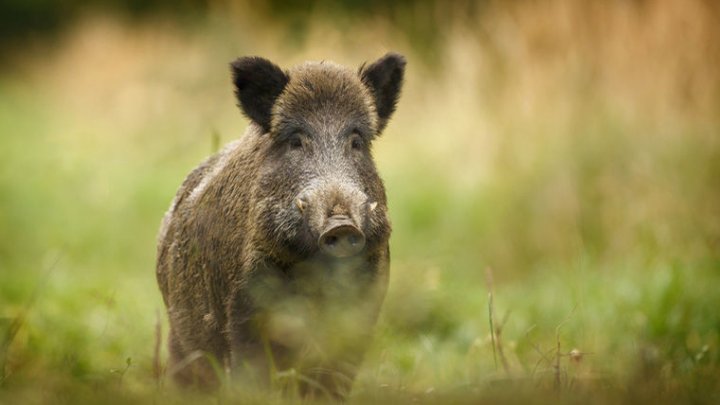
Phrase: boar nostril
(353, 239)
(341, 238)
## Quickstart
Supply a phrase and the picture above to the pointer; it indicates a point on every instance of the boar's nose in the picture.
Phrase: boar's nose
(341, 238)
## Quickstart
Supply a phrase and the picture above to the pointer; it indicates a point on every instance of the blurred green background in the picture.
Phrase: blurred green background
(568, 149)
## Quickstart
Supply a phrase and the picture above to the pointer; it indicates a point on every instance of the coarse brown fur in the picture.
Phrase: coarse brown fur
(239, 264)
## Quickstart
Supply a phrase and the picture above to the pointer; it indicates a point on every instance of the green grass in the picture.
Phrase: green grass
(597, 216)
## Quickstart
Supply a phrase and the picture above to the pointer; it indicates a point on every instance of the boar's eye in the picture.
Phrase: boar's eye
(295, 142)
(356, 143)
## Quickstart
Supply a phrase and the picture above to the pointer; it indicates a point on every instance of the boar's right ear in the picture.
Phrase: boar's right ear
(384, 77)
(258, 83)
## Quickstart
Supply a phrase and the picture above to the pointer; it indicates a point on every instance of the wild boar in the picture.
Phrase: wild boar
(274, 253)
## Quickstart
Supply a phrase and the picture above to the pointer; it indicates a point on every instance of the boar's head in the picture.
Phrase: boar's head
(317, 190)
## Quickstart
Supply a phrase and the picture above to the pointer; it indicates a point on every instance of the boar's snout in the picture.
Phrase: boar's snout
(335, 213)
(341, 238)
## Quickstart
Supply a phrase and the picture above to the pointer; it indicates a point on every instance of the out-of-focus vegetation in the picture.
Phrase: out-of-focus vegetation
(573, 148)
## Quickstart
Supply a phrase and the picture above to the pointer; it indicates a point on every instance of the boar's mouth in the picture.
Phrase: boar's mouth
(341, 238)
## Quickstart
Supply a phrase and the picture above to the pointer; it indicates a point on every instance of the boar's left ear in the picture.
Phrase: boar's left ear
(258, 83)
(384, 78)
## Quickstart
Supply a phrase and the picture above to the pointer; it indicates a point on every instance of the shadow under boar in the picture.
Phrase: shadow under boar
(274, 254)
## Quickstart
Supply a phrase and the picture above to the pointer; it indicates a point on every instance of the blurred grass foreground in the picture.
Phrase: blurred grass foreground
(567, 150)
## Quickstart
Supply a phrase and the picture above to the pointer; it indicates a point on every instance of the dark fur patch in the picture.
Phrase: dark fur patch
(258, 83)
(384, 78)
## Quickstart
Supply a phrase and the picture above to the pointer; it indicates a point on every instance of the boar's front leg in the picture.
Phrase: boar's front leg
(252, 357)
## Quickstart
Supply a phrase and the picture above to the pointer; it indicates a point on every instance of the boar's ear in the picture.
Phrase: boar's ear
(384, 78)
(258, 83)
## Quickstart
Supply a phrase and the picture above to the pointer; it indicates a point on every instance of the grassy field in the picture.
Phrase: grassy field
(569, 151)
